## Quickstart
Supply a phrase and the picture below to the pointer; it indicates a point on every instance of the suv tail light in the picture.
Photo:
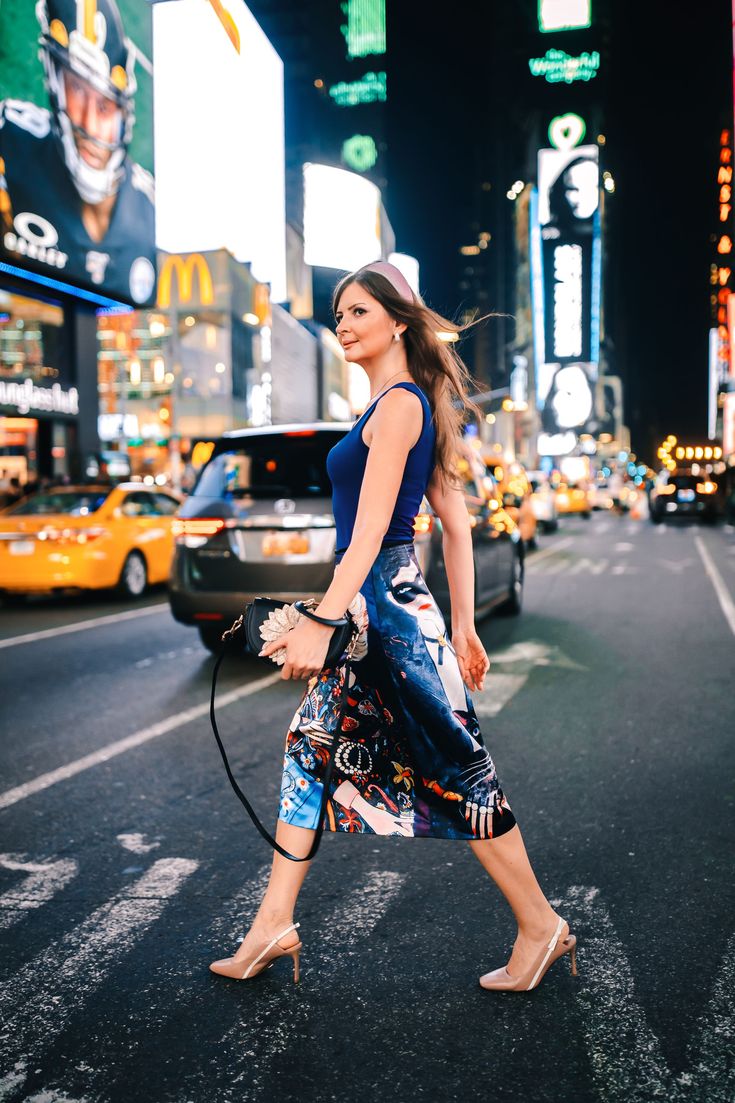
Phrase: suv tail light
(193, 532)
(196, 526)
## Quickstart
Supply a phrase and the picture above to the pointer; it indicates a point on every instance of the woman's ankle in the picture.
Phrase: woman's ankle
(537, 925)
(271, 918)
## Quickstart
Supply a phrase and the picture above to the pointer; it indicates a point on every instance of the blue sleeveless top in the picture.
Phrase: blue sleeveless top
(346, 468)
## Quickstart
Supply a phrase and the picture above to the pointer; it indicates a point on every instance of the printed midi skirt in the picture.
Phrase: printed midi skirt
(410, 758)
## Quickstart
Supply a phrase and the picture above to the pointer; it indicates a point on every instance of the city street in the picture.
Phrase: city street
(128, 864)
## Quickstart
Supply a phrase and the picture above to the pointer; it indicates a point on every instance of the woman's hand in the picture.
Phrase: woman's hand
(306, 648)
(471, 656)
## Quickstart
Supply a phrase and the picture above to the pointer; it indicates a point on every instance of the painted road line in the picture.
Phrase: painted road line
(536, 557)
(723, 594)
(499, 690)
(585, 565)
(356, 918)
(42, 881)
(83, 625)
(137, 739)
(535, 653)
(40, 1000)
(182, 975)
(626, 1056)
(136, 843)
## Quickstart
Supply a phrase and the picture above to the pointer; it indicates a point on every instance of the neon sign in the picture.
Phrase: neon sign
(364, 30)
(369, 89)
(557, 66)
(360, 152)
(567, 131)
(568, 301)
(721, 271)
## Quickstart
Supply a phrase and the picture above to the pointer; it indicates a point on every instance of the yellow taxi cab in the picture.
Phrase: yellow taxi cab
(515, 493)
(573, 498)
(88, 537)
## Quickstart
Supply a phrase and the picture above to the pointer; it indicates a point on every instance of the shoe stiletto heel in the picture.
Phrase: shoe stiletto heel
(573, 958)
(242, 969)
(500, 980)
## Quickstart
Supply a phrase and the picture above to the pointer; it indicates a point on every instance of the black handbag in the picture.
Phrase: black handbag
(245, 633)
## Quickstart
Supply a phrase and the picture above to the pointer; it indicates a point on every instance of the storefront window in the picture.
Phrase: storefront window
(32, 342)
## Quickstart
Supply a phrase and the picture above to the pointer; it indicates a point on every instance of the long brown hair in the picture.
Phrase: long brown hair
(434, 364)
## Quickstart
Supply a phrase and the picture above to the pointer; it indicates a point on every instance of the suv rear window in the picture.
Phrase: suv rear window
(275, 465)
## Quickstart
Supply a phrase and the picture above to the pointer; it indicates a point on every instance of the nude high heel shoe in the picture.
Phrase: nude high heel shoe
(242, 969)
(500, 980)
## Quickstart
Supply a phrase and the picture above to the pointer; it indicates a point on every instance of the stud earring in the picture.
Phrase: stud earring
(396, 336)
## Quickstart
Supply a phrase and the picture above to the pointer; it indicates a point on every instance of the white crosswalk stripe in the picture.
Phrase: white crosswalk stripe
(42, 881)
(626, 1057)
(39, 1001)
(625, 1054)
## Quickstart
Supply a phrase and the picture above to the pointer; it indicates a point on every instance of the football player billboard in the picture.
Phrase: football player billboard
(568, 256)
(76, 144)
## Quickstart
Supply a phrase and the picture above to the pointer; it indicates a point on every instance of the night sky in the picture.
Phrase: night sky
(668, 91)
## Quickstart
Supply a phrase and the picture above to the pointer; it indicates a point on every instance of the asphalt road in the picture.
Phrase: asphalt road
(128, 865)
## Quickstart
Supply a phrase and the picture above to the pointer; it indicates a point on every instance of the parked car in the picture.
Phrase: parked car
(259, 522)
(515, 495)
(498, 551)
(88, 538)
(600, 496)
(684, 495)
(573, 498)
(543, 501)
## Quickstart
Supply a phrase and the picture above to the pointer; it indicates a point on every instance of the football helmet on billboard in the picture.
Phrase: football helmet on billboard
(90, 77)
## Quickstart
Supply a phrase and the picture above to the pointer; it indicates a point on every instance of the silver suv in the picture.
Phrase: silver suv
(259, 522)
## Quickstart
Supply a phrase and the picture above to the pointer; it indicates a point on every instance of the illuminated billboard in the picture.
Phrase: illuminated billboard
(564, 15)
(342, 218)
(76, 145)
(220, 137)
(409, 266)
(566, 258)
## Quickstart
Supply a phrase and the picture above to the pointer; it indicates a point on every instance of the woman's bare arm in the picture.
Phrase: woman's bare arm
(395, 426)
(449, 505)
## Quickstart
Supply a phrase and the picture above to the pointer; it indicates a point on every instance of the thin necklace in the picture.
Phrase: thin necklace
(400, 372)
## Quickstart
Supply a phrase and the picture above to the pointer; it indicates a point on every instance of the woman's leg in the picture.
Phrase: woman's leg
(506, 860)
(276, 910)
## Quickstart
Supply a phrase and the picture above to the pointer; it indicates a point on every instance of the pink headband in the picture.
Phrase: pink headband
(394, 277)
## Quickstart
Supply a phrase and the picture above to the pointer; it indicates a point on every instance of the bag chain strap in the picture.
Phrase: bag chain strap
(346, 666)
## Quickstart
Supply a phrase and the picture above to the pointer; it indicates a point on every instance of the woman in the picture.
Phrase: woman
(410, 760)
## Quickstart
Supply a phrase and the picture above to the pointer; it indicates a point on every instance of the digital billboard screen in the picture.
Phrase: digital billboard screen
(567, 258)
(219, 125)
(342, 218)
(76, 143)
(564, 15)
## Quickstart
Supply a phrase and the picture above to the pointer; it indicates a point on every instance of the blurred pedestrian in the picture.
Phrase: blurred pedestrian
(414, 763)
(615, 486)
